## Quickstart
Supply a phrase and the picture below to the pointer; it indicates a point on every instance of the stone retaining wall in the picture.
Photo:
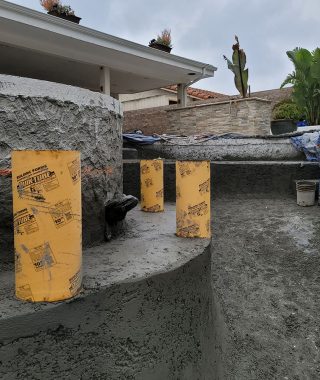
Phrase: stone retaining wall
(250, 116)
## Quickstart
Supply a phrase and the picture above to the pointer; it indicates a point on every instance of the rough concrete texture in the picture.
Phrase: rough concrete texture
(265, 277)
(42, 115)
(237, 149)
(145, 313)
(249, 115)
(229, 179)
(18, 86)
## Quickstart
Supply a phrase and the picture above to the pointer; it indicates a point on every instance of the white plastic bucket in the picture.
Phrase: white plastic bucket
(306, 193)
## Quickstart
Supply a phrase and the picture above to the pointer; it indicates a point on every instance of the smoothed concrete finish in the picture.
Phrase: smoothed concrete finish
(265, 269)
(237, 149)
(43, 115)
(265, 281)
(229, 179)
(145, 313)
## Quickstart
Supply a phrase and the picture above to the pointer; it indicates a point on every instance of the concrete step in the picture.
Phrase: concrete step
(257, 178)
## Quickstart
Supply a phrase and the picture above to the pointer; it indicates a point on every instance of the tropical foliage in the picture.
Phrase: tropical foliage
(306, 82)
(287, 109)
(237, 66)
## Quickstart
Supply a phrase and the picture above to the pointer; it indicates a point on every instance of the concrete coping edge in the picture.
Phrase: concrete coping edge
(35, 88)
(229, 101)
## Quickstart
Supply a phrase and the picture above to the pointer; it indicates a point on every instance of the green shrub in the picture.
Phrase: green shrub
(287, 109)
(306, 82)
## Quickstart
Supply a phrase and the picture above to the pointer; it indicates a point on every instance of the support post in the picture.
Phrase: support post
(105, 80)
(182, 95)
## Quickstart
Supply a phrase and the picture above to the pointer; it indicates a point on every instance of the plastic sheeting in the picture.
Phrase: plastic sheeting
(138, 138)
(309, 144)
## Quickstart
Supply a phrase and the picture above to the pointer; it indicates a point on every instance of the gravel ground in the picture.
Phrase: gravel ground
(266, 283)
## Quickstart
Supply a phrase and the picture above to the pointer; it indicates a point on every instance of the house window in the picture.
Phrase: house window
(172, 102)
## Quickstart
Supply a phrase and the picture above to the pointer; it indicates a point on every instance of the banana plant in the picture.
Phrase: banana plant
(237, 66)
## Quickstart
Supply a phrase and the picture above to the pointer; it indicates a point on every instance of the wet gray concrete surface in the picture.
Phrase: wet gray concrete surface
(266, 286)
(145, 312)
(265, 269)
(156, 307)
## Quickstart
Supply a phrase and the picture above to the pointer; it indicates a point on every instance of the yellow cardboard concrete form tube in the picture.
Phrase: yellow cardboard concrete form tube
(47, 224)
(193, 199)
(151, 179)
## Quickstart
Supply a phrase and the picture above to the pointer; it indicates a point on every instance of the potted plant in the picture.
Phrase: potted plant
(163, 41)
(285, 116)
(55, 8)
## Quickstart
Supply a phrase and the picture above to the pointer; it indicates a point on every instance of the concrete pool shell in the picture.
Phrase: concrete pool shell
(158, 307)
(153, 306)
(264, 268)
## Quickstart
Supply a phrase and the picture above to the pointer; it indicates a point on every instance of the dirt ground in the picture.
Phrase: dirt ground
(266, 284)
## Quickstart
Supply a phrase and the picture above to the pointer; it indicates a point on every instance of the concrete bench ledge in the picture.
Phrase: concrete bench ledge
(237, 149)
(144, 312)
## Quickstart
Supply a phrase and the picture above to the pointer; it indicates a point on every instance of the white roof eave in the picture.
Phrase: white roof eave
(56, 25)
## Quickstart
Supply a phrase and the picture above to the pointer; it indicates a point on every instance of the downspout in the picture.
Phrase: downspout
(203, 74)
(186, 85)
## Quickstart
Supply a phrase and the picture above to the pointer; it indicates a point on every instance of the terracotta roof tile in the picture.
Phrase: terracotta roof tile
(275, 95)
(198, 93)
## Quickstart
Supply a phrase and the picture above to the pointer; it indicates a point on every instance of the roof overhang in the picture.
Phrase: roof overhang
(37, 45)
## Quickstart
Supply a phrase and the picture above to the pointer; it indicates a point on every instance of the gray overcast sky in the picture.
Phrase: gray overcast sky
(204, 30)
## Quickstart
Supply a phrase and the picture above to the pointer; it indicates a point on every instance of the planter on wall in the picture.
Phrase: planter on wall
(71, 18)
(281, 126)
(158, 46)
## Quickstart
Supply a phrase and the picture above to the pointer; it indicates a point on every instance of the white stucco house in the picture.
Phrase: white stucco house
(165, 96)
(40, 46)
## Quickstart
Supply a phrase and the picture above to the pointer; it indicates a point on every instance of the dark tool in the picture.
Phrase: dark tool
(116, 210)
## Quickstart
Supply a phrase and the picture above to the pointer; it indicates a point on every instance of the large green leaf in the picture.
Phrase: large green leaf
(301, 58)
(241, 81)
(289, 80)
(239, 58)
(315, 68)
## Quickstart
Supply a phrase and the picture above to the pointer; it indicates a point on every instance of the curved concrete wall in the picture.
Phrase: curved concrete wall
(43, 115)
(145, 313)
